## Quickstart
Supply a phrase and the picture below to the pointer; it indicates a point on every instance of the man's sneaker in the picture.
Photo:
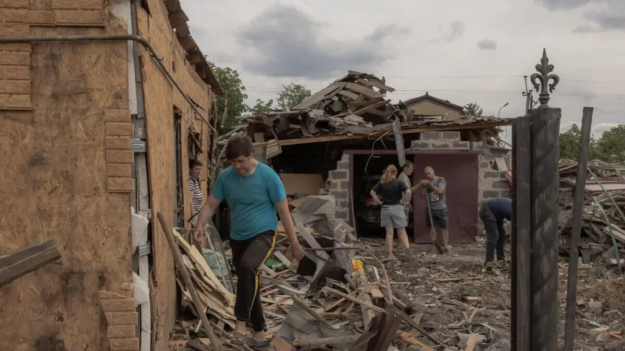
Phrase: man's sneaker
(488, 267)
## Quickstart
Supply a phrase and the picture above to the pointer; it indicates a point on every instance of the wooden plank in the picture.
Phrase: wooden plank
(187, 43)
(282, 258)
(544, 190)
(472, 342)
(371, 108)
(576, 230)
(26, 260)
(178, 18)
(363, 90)
(316, 97)
(312, 312)
(348, 94)
(376, 84)
(521, 218)
(311, 241)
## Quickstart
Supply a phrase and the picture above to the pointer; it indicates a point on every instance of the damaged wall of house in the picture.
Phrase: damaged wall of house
(55, 172)
(338, 186)
(161, 98)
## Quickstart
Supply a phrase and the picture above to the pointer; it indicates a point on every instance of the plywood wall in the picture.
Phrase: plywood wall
(53, 183)
(160, 97)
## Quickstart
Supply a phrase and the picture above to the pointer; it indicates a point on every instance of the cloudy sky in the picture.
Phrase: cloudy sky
(459, 50)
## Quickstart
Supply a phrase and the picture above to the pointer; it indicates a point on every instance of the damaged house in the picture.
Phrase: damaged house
(102, 104)
(338, 141)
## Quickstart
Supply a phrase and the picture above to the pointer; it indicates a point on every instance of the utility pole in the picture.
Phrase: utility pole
(528, 97)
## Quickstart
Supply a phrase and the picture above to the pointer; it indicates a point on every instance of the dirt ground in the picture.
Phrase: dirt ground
(483, 298)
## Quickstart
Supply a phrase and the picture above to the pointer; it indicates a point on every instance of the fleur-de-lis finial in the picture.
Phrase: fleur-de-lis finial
(542, 79)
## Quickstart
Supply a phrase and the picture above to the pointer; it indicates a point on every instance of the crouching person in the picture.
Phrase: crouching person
(492, 213)
(254, 193)
(393, 215)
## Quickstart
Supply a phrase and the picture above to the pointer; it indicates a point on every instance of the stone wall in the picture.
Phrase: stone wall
(338, 186)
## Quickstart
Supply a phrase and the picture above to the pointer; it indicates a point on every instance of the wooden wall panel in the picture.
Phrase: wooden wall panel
(53, 183)
(160, 97)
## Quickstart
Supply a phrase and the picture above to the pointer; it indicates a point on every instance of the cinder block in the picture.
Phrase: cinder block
(430, 136)
(14, 3)
(492, 174)
(489, 194)
(477, 145)
(9, 30)
(121, 331)
(118, 305)
(344, 185)
(91, 4)
(14, 58)
(485, 165)
(124, 344)
(501, 184)
(119, 156)
(120, 185)
(15, 101)
(66, 4)
(342, 215)
(14, 87)
(79, 17)
(120, 129)
(334, 175)
(440, 145)
(119, 170)
(117, 116)
(416, 144)
(17, 73)
(122, 143)
(343, 165)
(340, 195)
(119, 318)
(451, 136)
(461, 145)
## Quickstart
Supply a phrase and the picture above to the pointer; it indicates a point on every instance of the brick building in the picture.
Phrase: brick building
(97, 132)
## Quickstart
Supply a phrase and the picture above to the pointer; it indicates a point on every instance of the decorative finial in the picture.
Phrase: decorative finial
(542, 79)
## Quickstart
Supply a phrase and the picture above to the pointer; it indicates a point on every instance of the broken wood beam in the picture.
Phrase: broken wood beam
(199, 307)
(355, 300)
(311, 312)
(26, 260)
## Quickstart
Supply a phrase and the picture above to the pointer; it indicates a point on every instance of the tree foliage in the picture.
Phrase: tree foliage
(262, 107)
(232, 103)
(609, 148)
(292, 95)
(472, 109)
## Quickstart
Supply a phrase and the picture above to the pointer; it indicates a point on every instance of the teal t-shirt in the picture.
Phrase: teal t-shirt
(251, 199)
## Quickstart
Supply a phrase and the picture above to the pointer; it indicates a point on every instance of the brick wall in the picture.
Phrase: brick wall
(338, 186)
(16, 19)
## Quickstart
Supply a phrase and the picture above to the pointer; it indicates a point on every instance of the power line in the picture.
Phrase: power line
(286, 75)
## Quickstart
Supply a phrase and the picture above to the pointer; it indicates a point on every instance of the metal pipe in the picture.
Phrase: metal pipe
(132, 37)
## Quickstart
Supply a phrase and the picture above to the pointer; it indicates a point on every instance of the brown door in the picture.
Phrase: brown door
(461, 174)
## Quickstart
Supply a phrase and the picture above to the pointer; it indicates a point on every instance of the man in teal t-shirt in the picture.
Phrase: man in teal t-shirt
(254, 193)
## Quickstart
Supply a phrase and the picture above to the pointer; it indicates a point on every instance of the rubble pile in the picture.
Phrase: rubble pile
(603, 227)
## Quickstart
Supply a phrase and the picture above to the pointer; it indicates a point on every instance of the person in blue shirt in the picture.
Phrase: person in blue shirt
(254, 193)
(492, 213)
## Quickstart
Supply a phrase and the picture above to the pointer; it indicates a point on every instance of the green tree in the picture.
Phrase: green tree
(611, 146)
(232, 103)
(472, 109)
(569, 142)
(262, 107)
(292, 95)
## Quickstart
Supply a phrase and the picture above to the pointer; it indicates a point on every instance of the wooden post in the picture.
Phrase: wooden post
(521, 243)
(578, 205)
(544, 232)
(182, 269)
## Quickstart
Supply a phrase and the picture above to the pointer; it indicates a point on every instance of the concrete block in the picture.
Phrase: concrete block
(334, 186)
(501, 184)
(120, 184)
(15, 101)
(66, 4)
(117, 116)
(120, 129)
(451, 136)
(120, 156)
(127, 344)
(334, 175)
(416, 144)
(485, 165)
(342, 215)
(79, 17)
(340, 195)
(91, 4)
(14, 58)
(17, 73)
(14, 87)
(121, 143)
(343, 165)
(492, 174)
(477, 145)
(462, 145)
(430, 136)
(8, 30)
(345, 157)
(489, 194)
(118, 305)
(14, 3)
(119, 170)
(440, 145)
(343, 184)
(121, 318)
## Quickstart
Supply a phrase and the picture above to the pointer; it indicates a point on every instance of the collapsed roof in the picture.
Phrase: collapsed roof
(353, 107)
